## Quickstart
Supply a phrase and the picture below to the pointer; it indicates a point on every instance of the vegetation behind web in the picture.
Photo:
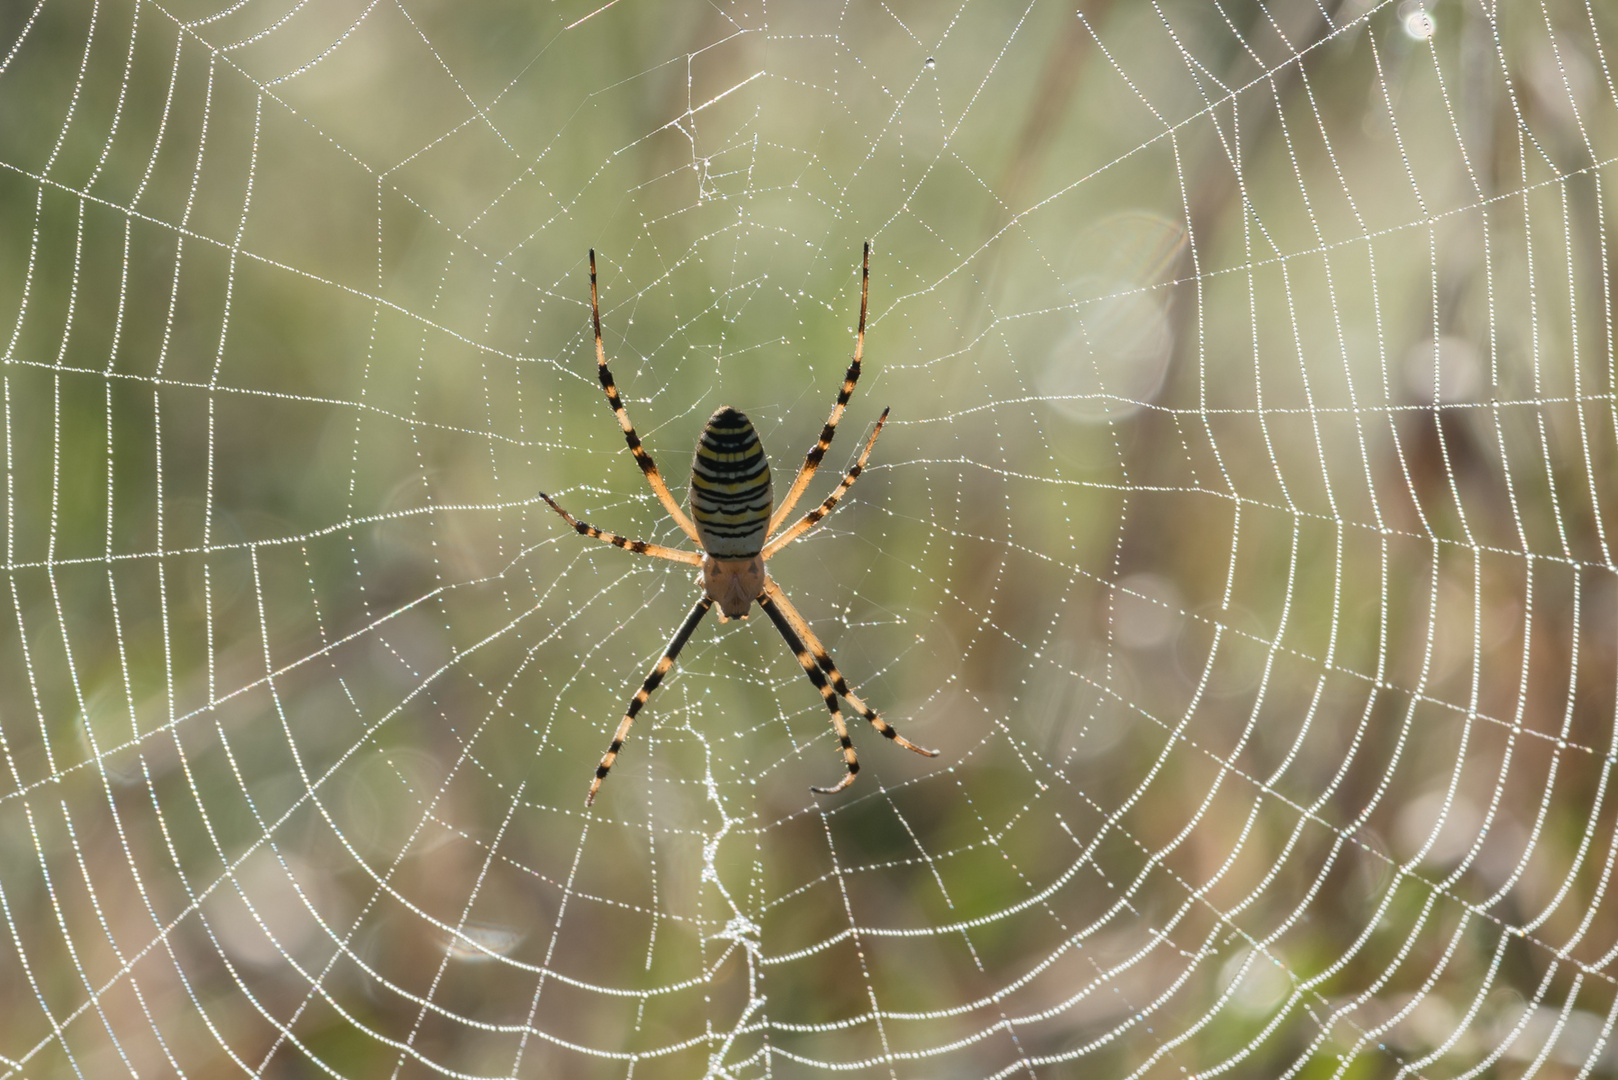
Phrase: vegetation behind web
(1241, 536)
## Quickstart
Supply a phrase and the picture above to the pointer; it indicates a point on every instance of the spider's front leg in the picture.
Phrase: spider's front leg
(676, 643)
(811, 669)
(823, 658)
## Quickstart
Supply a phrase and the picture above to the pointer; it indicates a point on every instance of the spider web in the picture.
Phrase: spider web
(1239, 537)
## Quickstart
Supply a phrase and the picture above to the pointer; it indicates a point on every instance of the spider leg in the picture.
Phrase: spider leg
(676, 643)
(811, 461)
(639, 547)
(839, 684)
(807, 522)
(647, 467)
(807, 662)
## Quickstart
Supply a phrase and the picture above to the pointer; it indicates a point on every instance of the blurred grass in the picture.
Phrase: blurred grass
(1243, 638)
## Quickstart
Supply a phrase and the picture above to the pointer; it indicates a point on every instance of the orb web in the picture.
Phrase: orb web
(1238, 535)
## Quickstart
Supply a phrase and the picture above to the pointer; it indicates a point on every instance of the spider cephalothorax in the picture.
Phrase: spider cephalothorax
(732, 502)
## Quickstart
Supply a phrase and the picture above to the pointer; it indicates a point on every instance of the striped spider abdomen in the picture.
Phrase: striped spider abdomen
(730, 497)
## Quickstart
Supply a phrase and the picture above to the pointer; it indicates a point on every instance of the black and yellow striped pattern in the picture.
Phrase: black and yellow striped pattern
(664, 666)
(731, 501)
(731, 496)
(851, 760)
(642, 458)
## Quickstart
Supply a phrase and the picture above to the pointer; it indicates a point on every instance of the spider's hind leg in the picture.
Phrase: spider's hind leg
(648, 468)
(811, 461)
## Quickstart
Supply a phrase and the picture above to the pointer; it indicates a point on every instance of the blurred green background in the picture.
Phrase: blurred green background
(1241, 536)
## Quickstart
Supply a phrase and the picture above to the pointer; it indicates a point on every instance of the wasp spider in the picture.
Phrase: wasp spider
(731, 501)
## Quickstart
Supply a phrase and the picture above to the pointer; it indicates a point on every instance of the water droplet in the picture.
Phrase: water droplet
(482, 941)
(1418, 21)
(930, 64)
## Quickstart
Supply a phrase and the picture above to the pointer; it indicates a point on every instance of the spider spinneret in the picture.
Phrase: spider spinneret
(732, 502)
